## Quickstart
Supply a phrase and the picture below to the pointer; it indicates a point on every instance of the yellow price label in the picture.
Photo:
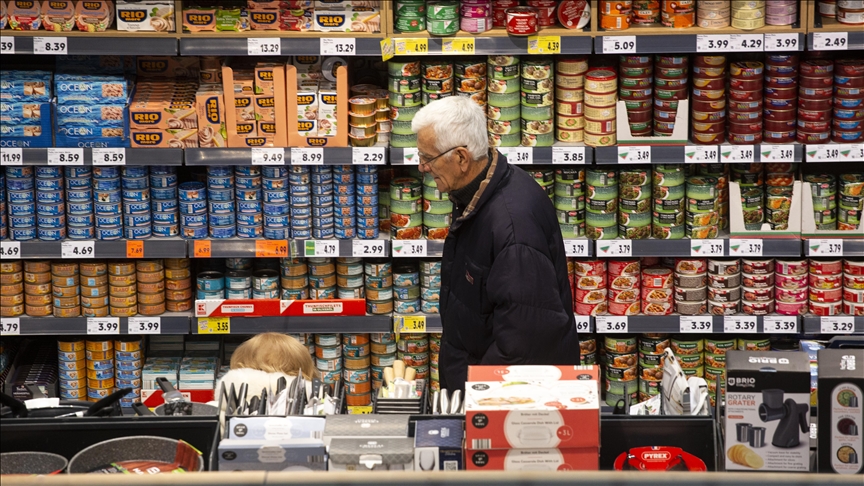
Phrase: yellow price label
(458, 45)
(410, 324)
(418, 46)
(387, 49)
(214, 325)
(544, 44)
(359, 409)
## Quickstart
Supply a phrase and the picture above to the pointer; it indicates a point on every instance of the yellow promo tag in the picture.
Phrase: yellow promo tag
(544, 44)
(415, 46)
(458, 45)
(214, 325)
(409, 324)
(387, 49)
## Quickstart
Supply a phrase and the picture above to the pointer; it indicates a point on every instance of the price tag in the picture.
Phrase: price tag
(612, 324)
(50, 45)
(458, 45)
(214, 325)
(618, 248)
(410, 248)
(852, 152)
(307, 156)
(257, 46)
(11, 156)
(781, 42)
(695, 324)
(706, 248)
(268, 156)
(410, 156)
(408, 46)
(544, 44)
(144, 325)
(271, 249)
(747, 42)
(583, 324)
(740, 324)
(568, 155)
(368, 248)
(134, 249)
(202, 249)
(635, 154)
(108, 156)
(737, 153)
(10, 249)
(519, 155)
(823, 153)
(576, 248)
(321, 248)
(409, 324)
(65, 156)
(832, 248)
(359, 409)
(702, 154)
(103, 325)
(78, 249)
(777, 153)
(10, 326)
(619, 44)
(837, 325)
(713, 42)
(830, 41)
(387, 49)
(368, 156)
(745, 247)
(779, 325)
(7, 45)
(345, 46)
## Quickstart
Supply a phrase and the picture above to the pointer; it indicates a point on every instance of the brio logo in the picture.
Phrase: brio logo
(242, 102)
(263, 17)
(256, 142)
(265, 75)
(153, 66)
(212, 109)
(245, 128)
(267, 102)
(147, 138)
(199, 19)
(23, 5)
(147, 118)
(305, 126)
(92, 5)
(767, 360)
(317, 141)
(329, 99)
(742, 381)
(305, 99)
(132, 15)
(331, 20)
(268, 128)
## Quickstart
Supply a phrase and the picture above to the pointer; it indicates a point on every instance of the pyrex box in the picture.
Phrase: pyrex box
(365, 427)
(841, 411)
(767, 411)
(438, 445)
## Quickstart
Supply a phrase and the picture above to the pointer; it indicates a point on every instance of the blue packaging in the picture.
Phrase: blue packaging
(136, 207)
(49, 197)
(249, 231)
(138, 233)
(220, 182)
(222, 231)
(81, 232)
(301, 178)
(343, 178)
(238, 293)
(299, 190)
(274, 171)
(106, 172)
(275, 221)
(192, 192)
(220, 170)
(135, 182)
(22, 184)
(345, 222)
(109, 208)
(19, 172)
(107, 196)
(81, 219)
(343, 189)
(217, 207)
(321, 177)
(367, 222)
(323, 233)
(79, 194)
(222, 219)
(86, 114)
(136, 194)
(276, 209)
(22, 234)
(248, 194)
(265, 294)
(109, 221)
(276, 196)
(166, 205)
(134, 171)
(343, 211)
(73, 171)
(365, 169)
(136, 220)
(367, 211)
(326, 200)
(32, 86)
(90, 88)
(28, 196)
(50, 222)
(322, 189)
(193, 207)
(319, 222)
(300, 200)
(46, 184)
(22, 221)
(277, 233)
(249, 218)
(163, 180)
(247, 182)
(79, 207)
(247, 170)
(163, 193)
(269, 184)
(22, 209)
(50, 209)
(345, 233)
(249, 206)
(370, 178)
(211, 295)
(79, 183)
(49, 172)
(195, 233)
(166, 230)
(367, 234)
(109, 233)
(367, 189)
(221, 195)
(193, 219)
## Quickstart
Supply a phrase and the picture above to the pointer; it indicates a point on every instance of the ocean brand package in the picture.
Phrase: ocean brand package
(112, 115)
(767, 411)
(29, 86)
(18, 113)
(145, 16)
(841, 411)
(99, 88)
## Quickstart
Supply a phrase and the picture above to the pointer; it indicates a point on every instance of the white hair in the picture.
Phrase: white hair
(457, 121)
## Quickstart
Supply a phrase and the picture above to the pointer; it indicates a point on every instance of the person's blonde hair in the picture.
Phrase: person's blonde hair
(274, 353)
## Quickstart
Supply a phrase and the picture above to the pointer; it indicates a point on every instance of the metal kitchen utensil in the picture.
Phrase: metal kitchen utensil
(32, 463)
(175, 402)
(757, 437)
(742, 432)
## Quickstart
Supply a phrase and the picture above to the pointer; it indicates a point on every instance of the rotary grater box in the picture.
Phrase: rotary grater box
(840, 390)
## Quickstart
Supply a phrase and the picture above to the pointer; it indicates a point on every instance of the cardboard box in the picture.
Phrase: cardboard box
(438, 445)
(265, 108)
(767, 411)
(388, 454)
(327, 104)
(264, 78)
(307, 111)
(365, 427)
(841, 411)
(257, 455)
(346, 20)
(210, 104)
(532, 407)
(276, 428)
(533, 460)
(145, 16)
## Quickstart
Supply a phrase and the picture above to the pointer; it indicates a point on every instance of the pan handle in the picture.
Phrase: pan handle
(165, 385)
(107, 402)
(18, 407)
(142, 410)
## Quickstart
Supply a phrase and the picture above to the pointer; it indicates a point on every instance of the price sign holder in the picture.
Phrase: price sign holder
(612, 324)
(343, 46)
(617, 248)
(410, 156)
(779, 324)
(321, 248)
(568, 155)
(11, 156)
(7, 45)
(409, 324)
(10, 249)
(696, 324)
(103, 325)
(701, 154)
(307, 156)
(519, 155)
(368, 248)
(745, 247)
(583, 324)
(713, 42)
(359, 409)
(134, 249)
(144, 325)
(830, 41)
(852, 152)
(824, 153)
(458, 45)
(387, 49)
(202, 249)
(10, 326)
(410, 248)
(837, 324)
(271, 249)
(57, 46)
(264, 46)
(634, 154)
(782, 42)
(738, 153)
(707, 248)
(825, 247)
(65, 156)
(777, 153)
(544, 44)
(78, 249)
(619, 44)
(747, 42)
(576, 248)
(368, 156)
(268, 156)
(740, 324)
(409, 46)
(108, 156)
(214, 325)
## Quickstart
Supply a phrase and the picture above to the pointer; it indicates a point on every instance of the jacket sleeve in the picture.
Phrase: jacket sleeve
(528, 318)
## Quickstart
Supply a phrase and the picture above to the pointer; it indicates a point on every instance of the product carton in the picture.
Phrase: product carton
(327, 103)
(387, 454)
(145, 16)
(584, 459)
(265, 108)
(767, 411)
(276, 428)
(365, 427)
(438, 445)
(210, 104)
(307, 110)
(262, 455)
(346, 20)
(841, 411)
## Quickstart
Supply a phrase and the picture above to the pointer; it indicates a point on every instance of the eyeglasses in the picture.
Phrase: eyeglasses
(425, 160)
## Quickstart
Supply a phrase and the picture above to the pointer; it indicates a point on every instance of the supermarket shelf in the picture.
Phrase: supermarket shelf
(171, 323)
(677, 154)
(102, 44)
(852, 247)
(434, 249)
(663, 40)
(813, 324)
(771, 247)
(497, 41)
(433, 321)
(292, 44)
(673, 324)
(153, 248)
(249, 248)
(528, 155)
(344, 324)
(131, 156)
(855, 36)
(243, 156)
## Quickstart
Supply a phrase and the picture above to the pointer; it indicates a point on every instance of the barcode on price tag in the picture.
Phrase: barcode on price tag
(103, 325)
(837, 325)
(636, 154)
(410, 156)
(830, 41)
(78, 249)
(321, 248)
(701, 154)
(307, 156)
(65, 156)
(568, 155)
(346, 46)
(780, 325)
(409, 248)
(617, 248)
(144, 325)
(745, 247)
(108, 156)
(10, 249)
(830, 247)
(11, 156)
(612, 324)
(619, 44)
(268, 156)
(257, 46)
(740, 324)
(706, 247)
(368, 156)
(713, 43)
(777, 153)
(7, 45)
(781, 42)
(583, 324)
(10, 326)
(576, 248)
(368, 248)
(696, 324)
(57, 46)
(519, 155)
(737, 153)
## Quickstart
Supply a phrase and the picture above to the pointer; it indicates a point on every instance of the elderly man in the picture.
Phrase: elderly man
(505, 296)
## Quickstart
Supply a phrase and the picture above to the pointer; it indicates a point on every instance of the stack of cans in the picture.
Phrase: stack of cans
(356, 372)
(250, 219)
(413, 349)
(367, 201)
(123, 289)
(503, 112)
(434, 351)
(349, 278)
(669, 202)
(265, 278)
(601, 204)
(625, 287)
(51, 207)
(569, 200)
(721, 173)
(210, 285)
(4, 225)
(295, 279)
(328, 355)
(128, 364)
(178, 285)
(691, 292)
(94, 290)
(634, 204)
(709, 100)
(346, 194)
(238, 278)
(745, 102)
(670, 87)
(65, 284)
(406, 288)
(383, 346)
(150, 277)
(537, 99)
(406, 208)
(471, 80)
(80, 222)
(651, 348)
(713, 14)
(100, 369)
(277, 213)
(437, 81)
(430, 286)
(163, 201)
(750, 15)
(823, 188)
(703, 207)
(193, 208)
(781, 93)
(724, 287)
(300, 193)
(323, 209)
(73, 370)
(22, 203)
(590, 295)
(136, 202)
(657, 293)
(108, 200)
(757, 291)
(38, 300)
(12, 288)
(322, 278)
(587, 350)
(221, 209)
(621, 372)
(437, 210)
(379, 286)
(570, 115)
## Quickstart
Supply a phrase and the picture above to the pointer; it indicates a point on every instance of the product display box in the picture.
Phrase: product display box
(533, 460)
(438, 445)
(767, 411)
(264, 455)
(387, 454)
(366, 427)
(841, 411)
(276, 428)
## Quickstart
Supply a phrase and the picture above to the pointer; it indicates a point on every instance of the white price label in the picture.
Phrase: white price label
(576, 248)
(144, 325)
(307, 156)
(619, 44)
(707, 248)
(830, 41)
(268, 156)
(10, 326)
(740, 324)
(368, 248)
(326, 248)
(747, 42)
(11, 156)
(702, 154)
(781, 42)
(635, 154)
(78, 249)
(745, 247)
(346, 46)
(410, 156)
(612, 324)
(65, 156)
(852, 152)
(616, 248)
(837, 325)
(696, 324)
(568, 155)
(368, 156)
(823, 153)
(7, 45)
(409, 248)
(108, 156)
(713, 43)
(583, 324)
(518, 155)
(779, 325)
(257, 46)
(10, 249)
(58, 46)
(777, 153)
(103, 325)
(737, 153)
(832, 248)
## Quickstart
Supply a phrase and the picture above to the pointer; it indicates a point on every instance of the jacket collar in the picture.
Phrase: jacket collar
(496, 172)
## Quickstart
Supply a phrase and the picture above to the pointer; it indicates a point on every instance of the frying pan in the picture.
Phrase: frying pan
(108, 406)
(29, 463)
(135, 448)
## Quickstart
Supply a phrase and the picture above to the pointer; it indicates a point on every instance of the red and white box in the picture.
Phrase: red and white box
(267, 307)
(584, 459)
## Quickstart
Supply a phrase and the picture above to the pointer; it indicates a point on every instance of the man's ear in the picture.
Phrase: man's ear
(464, 159)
